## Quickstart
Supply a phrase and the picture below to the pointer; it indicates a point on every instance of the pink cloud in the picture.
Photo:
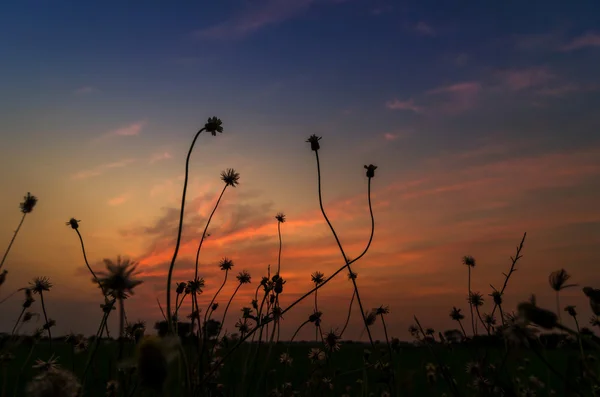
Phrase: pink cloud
(403, 105)
(115, 201)
(160, 157)
(84, 90)
(260, 15)
(457, 98)
(101, 169)
(517, 80)
(129, 130)
(590, 39)
(425, 29)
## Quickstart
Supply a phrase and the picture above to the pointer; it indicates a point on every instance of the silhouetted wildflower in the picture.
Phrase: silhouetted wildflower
(558, 279)
(118, 281)
(314, 142)
(332, 341)
(456, 315)
(317, 278)
(497, 297)
(595, 321)
(242, 326)
(594, 296)
(370, 318)
(230, 177)
(370, 170)
(28, 203)
(40, 284)
(226, 264)
(316, 354)
(571, 310)
(475, 299)
(382, 310)
(51, 363)
(468, 260)
(195, 286)
(315, 318)
(285, 359)
(280, 217)
(180, 288)
(214, 125)
(352, 276)
(74, 223)
(244, 277)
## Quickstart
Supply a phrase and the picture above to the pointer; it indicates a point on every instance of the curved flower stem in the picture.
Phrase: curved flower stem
(340, 244)
(481, 319)
(349, 314)
(226, 309)
(215, 296)
(462, 328)
(12, 240)
(91, 271)
(45, 316)
(179, 230)
(206, 228)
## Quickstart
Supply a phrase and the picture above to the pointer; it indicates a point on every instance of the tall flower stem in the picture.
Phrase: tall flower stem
(45, 316)
(215, 296)
(179, 230)
(18, 321)
(121, 326)
(91, 271)
(340, 244)
(470, 305)
(12, 240)
(206, 227)
(558, 306)
(280, 245)
(316, 310)
(512, 268)
(226, 309)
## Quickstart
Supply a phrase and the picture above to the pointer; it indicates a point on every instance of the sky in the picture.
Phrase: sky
(482, 119)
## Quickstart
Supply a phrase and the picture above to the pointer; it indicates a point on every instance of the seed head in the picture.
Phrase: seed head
(54, 383)
(381, 310)
(594, 296)
(226, 264)
(28, 203)
(244, 277)
(497, 296)
(571, 310)
(315, 354)
(314, 142)
(558, 280)
(317, 278)
(456, 315)
(214, 125)
(180, 288)
(370, 170)
(468, 260)
(475, 299)
(74, 223)
(332, 341)
(195, 286)
(230, 177)
(118, 281)
(40, 284)
(280, 217)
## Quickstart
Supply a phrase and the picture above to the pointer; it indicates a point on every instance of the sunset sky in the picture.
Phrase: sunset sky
(483, 119)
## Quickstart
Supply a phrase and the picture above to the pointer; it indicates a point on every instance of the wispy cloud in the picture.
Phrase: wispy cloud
(115, 201)
(589, 39)
(128, 130)
(84, 90)
(456, 98)
(101, 169)
(520, 79)
(160, 157)
(409, 104)
(260, 15)
(425, 29)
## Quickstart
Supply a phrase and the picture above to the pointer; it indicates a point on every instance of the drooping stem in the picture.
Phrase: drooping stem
(12, 240)
(179, 230)
(340, 244)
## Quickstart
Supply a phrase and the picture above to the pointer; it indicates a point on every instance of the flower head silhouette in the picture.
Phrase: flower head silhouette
(118, 281)
(74, 223)
(317, 278)
(40, 284)
(230, 177)
(314, 142)
(370, 170)
(280, 217)
(214, 125)
(244, 277)
(226, 264)
(28, 203)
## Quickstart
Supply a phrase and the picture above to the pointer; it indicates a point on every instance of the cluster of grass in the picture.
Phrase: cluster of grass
(503, 354)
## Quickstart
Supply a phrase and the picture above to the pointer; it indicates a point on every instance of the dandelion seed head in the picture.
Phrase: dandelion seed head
(54, 383)
(280, 217)
(28, 203)
(230, 177)
(226, 264)
(40, 284)
(244, 277)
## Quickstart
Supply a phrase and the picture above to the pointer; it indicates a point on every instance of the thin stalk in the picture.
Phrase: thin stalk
(462, 328)
(279, 256)
(121, 326)
(227, 308)
(340, 244)
(10, 295)
(349, 313)
(45, 316)
(481, 319)
(206, 228)
(12, 240)
(18, 320)
(316, 310)
(512, 268)
(179, 230)
(470, 304)
(558, 307)
(387, 341)
(215, 296)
